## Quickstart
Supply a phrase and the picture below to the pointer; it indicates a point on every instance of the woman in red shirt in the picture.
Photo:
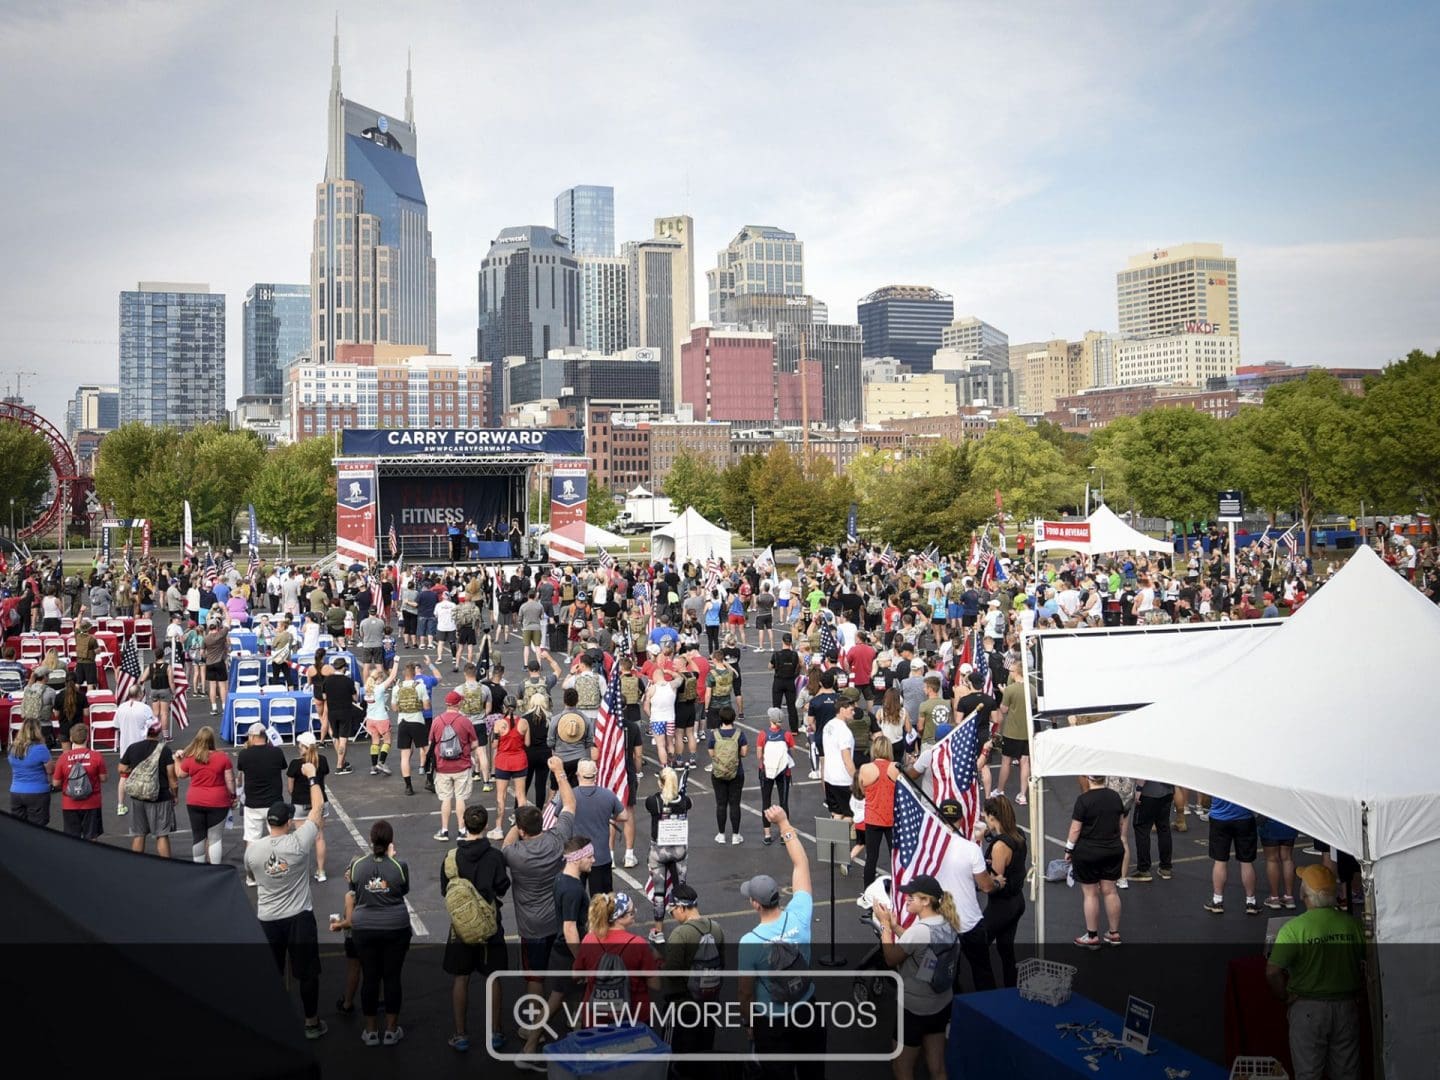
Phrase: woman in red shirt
(877, 779)
(512, 736)
(211, 794)
(621, 965)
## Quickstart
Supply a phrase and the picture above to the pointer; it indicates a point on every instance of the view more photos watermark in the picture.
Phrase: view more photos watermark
(861, 1015)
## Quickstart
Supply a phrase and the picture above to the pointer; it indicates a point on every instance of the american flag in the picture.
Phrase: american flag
(953, 773)
(922, 841)
(670, 881)
(377, 597)
(712, 572)
(394, 539)
(607, 560)
(929, 555)
(982, 665)
(1288, 540)
(179, 707)
(550, 814)
(212, 572)
(765, 561)
(887, 557)
(129, 671)
(610, 738)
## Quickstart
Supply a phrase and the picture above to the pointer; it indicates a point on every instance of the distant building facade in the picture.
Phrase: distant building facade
(172, 355)
(585, 215)
(906, 322)
(276, 333)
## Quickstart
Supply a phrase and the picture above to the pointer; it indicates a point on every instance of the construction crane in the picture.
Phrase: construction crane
(19, 394)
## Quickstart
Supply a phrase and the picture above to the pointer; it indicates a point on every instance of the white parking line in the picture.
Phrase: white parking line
(417, 925)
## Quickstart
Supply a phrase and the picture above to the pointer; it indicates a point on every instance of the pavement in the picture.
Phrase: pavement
(1175, 952)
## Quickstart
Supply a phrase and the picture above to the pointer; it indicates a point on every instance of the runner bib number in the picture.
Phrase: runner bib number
(673, 832)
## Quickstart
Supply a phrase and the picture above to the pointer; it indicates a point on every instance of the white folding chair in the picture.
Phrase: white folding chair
(56, 642)
(249, 673)
(104, 729)
(245, 711)
(67, 626)
(31, 650)
(284, 711)
(11, 681)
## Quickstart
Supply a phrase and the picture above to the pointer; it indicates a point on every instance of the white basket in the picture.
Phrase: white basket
(1045, 981)
(1258, 1068)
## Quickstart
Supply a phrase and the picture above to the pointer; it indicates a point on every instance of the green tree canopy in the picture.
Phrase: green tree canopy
(26, 476)
(923, 500)
(289, 495)
(1031, 474)
(693, 481)
(600, 508)
(1174, 462)
(1397, 450)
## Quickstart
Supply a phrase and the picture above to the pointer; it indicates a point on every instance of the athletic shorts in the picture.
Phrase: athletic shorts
(765, 621)
(1241, 834)
(216, 672)
(535, 956)
(1274, 833)
(837, 798)
(737, 620)
(413, 735)
(86, 824)
(342, 723)
(371, 655)
(466, 635)
(482, 959)
(684, 715)
(151, 818)
(511, 774)
(954, 611)
(1093, 869)
(255, 825)
(918, 1025)
(454, 785)
(1014, 748)
(445, 637)
(659, 728)
(530, 637)
(482, 730)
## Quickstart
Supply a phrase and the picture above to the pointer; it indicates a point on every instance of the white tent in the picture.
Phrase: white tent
(1328, 724)
(690, 537)
(1107, 534)
(595, 537)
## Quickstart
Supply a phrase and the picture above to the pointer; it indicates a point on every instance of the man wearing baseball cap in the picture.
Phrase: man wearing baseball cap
(777, 947)
(280, 866)
(453, 748)
(693, 952)
(1314, 967)
(263, 768)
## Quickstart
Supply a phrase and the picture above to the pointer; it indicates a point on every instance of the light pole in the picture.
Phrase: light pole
(12, 517)
(1088, 469)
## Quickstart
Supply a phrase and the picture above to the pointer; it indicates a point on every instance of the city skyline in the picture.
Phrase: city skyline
(1312, 161)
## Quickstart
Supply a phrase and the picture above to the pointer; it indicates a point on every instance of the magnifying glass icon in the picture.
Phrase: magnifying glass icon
(533, 1011)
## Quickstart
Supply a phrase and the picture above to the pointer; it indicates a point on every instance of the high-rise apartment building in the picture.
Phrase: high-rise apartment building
(977, 338)
(172, 354)
(1183, 359)
(372, 275)
(93, 408)
(1047, 370)
(276, 334)
(1189, 288)
(656, 269)
(761, 259)
(529, 301)
(419, 391)
(680, 228)
(836, 347)
(1099, 356)
(604, 302)
(906, 322)
(734, 375)
(585, 215)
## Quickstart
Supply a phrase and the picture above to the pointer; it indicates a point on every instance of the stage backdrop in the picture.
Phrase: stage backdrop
(462, 442)
(422, 506)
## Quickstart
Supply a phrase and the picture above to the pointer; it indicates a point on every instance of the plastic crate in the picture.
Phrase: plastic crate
(1257, 1068)
(1045, 981)
(610, 1053)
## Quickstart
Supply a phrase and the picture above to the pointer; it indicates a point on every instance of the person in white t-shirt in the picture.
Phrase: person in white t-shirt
(445, 627)
(838, 764)
(962, 872)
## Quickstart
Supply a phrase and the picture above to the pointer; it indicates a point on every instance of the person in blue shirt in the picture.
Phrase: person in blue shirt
(1231, 824)
(222, 593)
(713, 608)
(30, 769)
(664, 632)
(780, 1027)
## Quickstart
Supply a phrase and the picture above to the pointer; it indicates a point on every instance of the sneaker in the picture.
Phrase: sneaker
(393, 1035)
(1123, 883)
(630, 861)
(122, 810)
(320, 877)
(487, 786)
(1142, 876)
(460, 1043)
(657, 937)
(814, 774)
(1215, 906)
(370, 1038)
(384, 770)
(1289, 902)
(710, 767)
(1202, 813)
(1252, 907)
(345, 770)
(1165, 873)
(429, 785)
(374, 770)
(316, 1030)
(1273, 903)
(1181, 825)
(495, 834)
(719, 838)
(1312, 850)
(250, 882)
(1020, 800)
(995, 793)
(767, 840)
(442, 835)
(1112, 937)
(343, 1008)
(736, 839)
(1088, 941)
(409, 790)
(497, 1042)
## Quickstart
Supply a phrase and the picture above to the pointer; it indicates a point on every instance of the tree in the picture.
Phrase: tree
(600, 509)
(1298, 449)
(217, 467)
(1109, 453)
(287, 494)
(26, 476)
(739, 493)
(124, 457)
(1175, 462)
(314, 457)
(1031, 474)
(693, 481)
(923, 500)
(1397, 449)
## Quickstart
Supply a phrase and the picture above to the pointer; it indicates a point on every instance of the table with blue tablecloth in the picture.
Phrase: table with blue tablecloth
(352, 668)
(302, 699)
(998, 1033)
(242, 641)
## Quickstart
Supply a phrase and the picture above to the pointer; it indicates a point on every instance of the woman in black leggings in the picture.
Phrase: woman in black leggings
(734, 745)
(1005, 855)
(376, 915)
(776, 745)
(877, 780)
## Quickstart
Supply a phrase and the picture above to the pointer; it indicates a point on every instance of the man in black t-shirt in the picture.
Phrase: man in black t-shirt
(338, 691)
(786, 666)
(262, 769)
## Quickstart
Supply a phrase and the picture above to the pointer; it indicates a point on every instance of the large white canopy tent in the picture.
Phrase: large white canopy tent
(1328, 724)
(690, 537)
(1107, 534)
(595, 537)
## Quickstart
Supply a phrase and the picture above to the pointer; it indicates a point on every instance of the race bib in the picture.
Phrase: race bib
(673, 832)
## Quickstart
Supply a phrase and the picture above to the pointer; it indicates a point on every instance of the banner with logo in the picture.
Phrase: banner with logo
(1062, 532)
(105, 544)
(355, 520)
(189, 537)
(145, 540)
(462, 442)
(569, 495)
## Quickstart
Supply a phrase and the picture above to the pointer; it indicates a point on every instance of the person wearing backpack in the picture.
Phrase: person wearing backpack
(776, 951)
(774, 747)
(473, 878)
(618, 965)
(147, 769)
(728, 747)
(453, 748)
(693, 957)
(927, 955)
(669, 806)
(80, 774)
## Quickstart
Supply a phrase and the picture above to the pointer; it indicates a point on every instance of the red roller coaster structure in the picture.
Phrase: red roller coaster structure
(62, 464)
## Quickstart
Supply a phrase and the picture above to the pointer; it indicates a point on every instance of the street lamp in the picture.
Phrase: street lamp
(12, 517)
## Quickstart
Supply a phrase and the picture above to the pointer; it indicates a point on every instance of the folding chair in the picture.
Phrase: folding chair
(245, 711)
(284, 712)
(103, 724)
(31, 650)
(144, 634)
(54, 641)
(249, 673)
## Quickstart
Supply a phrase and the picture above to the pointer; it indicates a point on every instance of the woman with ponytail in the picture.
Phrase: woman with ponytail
(617, 964)
(666, 861)
(926, 953)
(375, 912)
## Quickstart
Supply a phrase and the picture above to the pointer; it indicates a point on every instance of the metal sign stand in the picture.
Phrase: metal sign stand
(832, 845)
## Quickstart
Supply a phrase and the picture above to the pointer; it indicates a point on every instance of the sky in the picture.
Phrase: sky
(1013, 155)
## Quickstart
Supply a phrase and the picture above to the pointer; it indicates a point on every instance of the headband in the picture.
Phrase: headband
(623, 906)
(586, 852)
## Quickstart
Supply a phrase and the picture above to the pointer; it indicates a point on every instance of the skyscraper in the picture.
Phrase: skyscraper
(978, 339)
(761, 259)
(93, 408)
(905, 321)
(172, 354)
(656, 266)
(681, 227)
(372, 276)
(276, 333)
(585, 215)
(1192, 288)
(529, 301)
(836, 348)
(604, 302)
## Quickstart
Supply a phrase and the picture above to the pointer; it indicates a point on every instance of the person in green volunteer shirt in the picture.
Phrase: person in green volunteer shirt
(688, 962)
(1314, 967)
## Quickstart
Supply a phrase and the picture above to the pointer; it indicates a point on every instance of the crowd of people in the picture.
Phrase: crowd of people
(872, 661)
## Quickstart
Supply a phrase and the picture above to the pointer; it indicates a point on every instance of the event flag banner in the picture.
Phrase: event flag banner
(1074, 532)
(105, 544)
(569, 491)
(145, 539)
(462, 442)
(189, 534)
(254, 538)
(355, 511)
